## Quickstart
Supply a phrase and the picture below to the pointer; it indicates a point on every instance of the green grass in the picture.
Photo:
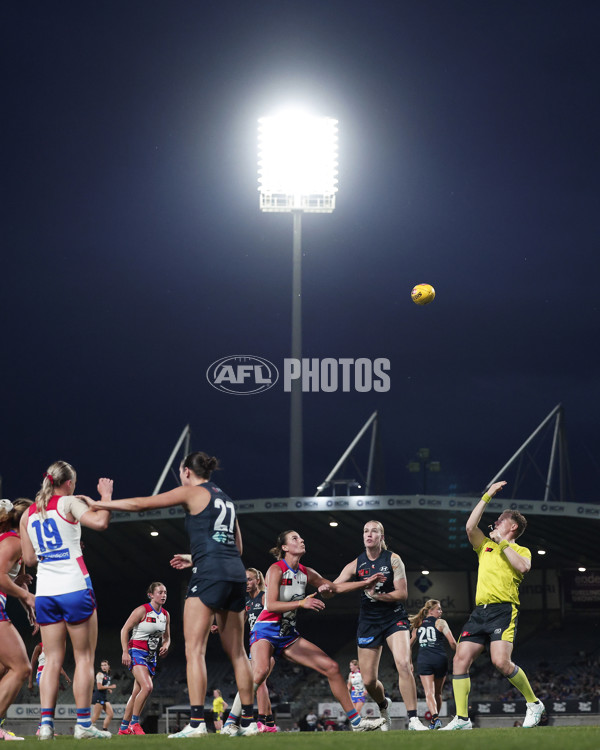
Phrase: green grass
(541, 738)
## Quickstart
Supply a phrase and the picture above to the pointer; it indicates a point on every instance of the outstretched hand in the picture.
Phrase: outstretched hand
(88, 500)
(310, 602)
(373, 580)
(496, 487)
(180, 562)
(105, 488)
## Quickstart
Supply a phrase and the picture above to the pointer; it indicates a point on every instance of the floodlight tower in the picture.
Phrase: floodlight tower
(297, 173)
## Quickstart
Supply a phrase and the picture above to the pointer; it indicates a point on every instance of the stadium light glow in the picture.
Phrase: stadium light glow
(541, 552)
(424, 572)
(333, 523)
(297, 173)
(582, 569)
(297, 162)
(154, 533)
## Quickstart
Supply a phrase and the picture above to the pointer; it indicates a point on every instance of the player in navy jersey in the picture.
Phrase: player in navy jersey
(217, 586)
(101, 695)
(13, 582)
(274, 633)
(149, 628)
(255, 603)
(431, 633)
(65, 604)
(383, 619)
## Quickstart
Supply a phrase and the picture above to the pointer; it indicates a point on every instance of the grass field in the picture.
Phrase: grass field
(542, 738)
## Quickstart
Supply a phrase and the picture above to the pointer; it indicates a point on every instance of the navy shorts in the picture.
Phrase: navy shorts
(75, 607)
(229, 595)
(491, 622)
(373, 634)
(432, 664)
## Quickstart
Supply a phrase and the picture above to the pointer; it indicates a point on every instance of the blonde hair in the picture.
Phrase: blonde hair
(417, 620)
(381, 531)
(259, 577)
(10, 513)
(56, 475)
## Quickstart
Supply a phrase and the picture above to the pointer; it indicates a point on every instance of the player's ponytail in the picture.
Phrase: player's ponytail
(56, 475)
(417, 620)
(201, 464)
(277, 550)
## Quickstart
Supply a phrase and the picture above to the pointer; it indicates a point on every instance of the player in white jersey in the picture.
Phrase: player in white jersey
(274, 633)
(38, 662)
(356, 686)
(65, 603)
(13, 655)
(149, 625)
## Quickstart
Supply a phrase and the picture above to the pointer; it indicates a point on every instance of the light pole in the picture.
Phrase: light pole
(297, 173)
(424, 464)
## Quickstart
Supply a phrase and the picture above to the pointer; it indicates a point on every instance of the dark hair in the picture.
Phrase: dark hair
(201, 464)
(276, 551)
(517, 518)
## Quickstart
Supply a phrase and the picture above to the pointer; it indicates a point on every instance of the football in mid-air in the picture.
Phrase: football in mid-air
(422, 294)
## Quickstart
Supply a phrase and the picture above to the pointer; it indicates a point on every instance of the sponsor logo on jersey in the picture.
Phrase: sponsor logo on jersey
(59, 554)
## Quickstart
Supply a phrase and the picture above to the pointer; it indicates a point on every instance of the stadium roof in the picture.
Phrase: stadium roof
(431, 538)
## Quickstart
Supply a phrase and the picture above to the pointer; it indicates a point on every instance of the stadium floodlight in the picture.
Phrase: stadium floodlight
(297, 163)
(297, 173)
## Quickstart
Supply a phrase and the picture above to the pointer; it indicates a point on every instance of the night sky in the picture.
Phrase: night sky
(135, 255)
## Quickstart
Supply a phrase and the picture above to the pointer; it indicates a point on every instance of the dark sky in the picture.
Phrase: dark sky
(135, 255)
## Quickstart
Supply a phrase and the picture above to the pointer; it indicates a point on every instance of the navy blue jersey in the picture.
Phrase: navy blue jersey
(101, 695)
(429, 638)
(369, 608)
(212, 539)
(254, 606)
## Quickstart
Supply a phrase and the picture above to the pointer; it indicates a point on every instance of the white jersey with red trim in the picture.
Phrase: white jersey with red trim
(356, 681)
(14, 571)
(148, 633)
(291, 588)
(57, 544)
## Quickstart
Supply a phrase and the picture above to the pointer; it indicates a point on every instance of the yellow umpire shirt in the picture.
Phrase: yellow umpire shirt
(497, 580)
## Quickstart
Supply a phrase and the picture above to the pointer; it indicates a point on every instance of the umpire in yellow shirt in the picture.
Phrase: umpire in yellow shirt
(502, 565)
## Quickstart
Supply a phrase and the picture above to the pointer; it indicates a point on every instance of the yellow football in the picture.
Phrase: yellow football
(422, 294)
